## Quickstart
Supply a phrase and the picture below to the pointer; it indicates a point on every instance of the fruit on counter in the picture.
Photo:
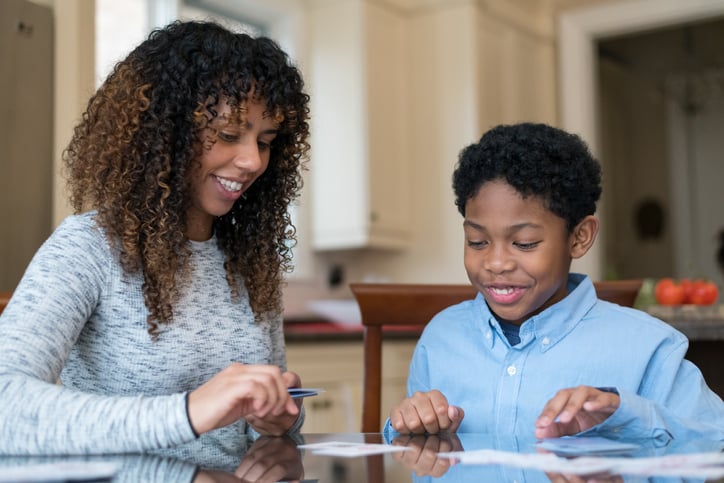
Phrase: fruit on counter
(669, 291)
(704, 292)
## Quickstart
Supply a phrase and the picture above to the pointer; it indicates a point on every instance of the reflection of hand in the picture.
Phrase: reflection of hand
(566, 478)
(243, 391)
(574, 410)
(210, 476)
(271, 459)
(561, 478)
(422, 457)
(426, 412)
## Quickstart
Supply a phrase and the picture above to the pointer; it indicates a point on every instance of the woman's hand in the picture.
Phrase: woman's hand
(271, 459)
(242, 391)
(273, 424)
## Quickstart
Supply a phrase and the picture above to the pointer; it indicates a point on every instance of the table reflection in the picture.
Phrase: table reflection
(272, 459)
(425, 464)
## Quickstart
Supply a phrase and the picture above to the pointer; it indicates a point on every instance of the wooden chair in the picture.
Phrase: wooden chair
(4, 299)
(413, 305)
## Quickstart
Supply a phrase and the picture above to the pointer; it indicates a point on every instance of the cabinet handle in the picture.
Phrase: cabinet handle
(321, 404)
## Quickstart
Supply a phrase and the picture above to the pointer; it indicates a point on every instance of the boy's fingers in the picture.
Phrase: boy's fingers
(456, 415)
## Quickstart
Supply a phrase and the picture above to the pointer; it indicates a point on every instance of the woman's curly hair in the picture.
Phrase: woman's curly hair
(537, 160)
(132, 155)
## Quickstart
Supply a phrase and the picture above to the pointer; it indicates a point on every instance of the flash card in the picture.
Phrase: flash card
(297, 392)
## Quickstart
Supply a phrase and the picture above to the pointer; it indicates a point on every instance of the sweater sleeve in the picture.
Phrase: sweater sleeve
(38, 329)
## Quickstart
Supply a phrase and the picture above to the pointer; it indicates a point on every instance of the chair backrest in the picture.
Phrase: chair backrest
(4, 299)
(413, 305)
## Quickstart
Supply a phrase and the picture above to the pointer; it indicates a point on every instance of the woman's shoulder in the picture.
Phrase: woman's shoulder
(82, 221)
(78, 233)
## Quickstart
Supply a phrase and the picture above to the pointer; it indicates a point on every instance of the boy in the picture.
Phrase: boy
(536, 350)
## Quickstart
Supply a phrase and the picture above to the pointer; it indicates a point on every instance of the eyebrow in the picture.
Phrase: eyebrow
(510, 229)
(247, 126)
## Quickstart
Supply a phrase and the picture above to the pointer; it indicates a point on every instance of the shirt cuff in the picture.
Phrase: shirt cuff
(188, 417)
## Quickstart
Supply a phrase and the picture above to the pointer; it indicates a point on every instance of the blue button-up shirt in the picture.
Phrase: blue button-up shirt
(580, 340)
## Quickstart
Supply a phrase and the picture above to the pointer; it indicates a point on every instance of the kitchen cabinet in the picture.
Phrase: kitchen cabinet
(336, 366)
(360, 193)
(26, 134)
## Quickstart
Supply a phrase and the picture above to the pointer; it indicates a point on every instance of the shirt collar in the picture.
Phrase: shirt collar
(552, 324)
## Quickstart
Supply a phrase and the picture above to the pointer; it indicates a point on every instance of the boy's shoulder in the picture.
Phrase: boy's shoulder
(462, 314)
(633, 320)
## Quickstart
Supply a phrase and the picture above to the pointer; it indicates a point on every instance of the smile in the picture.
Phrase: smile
(501, 291)
(232, 186)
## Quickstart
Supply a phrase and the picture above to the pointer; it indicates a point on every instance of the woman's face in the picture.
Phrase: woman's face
(233, 157)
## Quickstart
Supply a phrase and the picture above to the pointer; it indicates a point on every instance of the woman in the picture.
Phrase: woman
(159, 308)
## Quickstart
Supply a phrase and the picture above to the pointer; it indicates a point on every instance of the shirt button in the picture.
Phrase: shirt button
(546, 341)
(488, 335)
(512, 370)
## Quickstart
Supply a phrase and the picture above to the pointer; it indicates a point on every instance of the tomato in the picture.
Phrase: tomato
(688, 285)
(668, 292)
(704, 292)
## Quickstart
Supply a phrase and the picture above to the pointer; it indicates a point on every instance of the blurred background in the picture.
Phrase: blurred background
(398, 88)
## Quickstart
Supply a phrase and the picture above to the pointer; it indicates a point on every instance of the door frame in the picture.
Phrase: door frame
(578, 31)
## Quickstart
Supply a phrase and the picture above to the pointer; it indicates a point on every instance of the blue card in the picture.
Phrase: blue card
(297, 392)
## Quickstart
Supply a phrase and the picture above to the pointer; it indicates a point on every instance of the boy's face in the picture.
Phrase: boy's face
(517, 252)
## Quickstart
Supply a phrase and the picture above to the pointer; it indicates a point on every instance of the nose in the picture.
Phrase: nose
(498, 259)
(247, 157)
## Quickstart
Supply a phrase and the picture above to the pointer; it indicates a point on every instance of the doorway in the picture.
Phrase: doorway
(580, 33)
(660, 118)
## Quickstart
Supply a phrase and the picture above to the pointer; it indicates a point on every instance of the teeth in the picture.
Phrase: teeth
(230, 185)
(501, 291)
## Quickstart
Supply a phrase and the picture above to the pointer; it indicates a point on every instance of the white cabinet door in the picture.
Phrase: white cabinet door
(360, 157)
(336, 367)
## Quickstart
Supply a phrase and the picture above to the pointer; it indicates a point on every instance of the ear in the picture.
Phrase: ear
(583, 236)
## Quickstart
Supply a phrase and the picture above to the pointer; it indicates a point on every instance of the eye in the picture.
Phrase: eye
(263, 145)
(477, 245)
(228, 137)
(527, 246)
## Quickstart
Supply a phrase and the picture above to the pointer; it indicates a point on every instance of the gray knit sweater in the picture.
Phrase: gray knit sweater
(76, 315)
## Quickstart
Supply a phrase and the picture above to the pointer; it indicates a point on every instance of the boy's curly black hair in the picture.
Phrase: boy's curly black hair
(139, 140)
(537, 160)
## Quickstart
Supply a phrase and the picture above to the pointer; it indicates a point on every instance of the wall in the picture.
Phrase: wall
(74, 80)
(472, 64)
(469, 65)
(697, 174)
(633, 123)
(26, 124)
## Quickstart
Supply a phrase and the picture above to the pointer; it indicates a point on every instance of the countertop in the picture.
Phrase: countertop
(697, 323)
(315, 330)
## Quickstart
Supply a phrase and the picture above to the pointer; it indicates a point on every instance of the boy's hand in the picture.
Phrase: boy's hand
(426, 412)
(574, 410)
(422, 457)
